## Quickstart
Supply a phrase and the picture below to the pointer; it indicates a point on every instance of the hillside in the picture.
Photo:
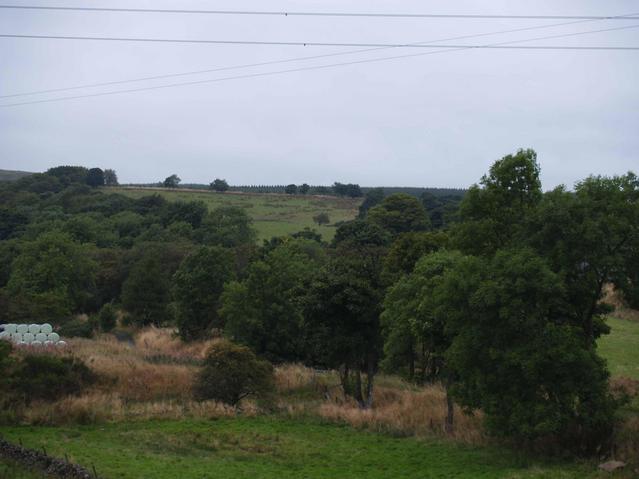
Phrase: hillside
(12, 175)
(272, 214)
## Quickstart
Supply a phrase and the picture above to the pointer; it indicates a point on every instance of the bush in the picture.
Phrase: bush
(77, 328)
(107, 318)
(231, 373)
(40, 376)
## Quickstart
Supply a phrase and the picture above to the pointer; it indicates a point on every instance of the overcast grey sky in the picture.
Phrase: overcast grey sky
(431, 120)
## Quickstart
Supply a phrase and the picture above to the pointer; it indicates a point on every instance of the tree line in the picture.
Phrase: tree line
(496, 296)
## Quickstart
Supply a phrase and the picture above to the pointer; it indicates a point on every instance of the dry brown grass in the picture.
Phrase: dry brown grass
(614, 298)
(153, 377)
(626, 440)
(399, 407)
(419, 412)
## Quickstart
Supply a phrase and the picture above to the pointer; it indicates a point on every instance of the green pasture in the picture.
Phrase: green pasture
(621, 347)
(272, 214)
(273, 447)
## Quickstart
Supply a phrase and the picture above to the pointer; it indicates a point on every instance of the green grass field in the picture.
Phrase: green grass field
(621, 347)
(272, 214)
(271, 447)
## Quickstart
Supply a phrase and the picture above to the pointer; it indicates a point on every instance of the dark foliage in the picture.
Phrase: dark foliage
(231, 373)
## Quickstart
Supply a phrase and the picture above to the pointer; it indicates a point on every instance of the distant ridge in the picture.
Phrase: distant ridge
(12, 175)
(320, 189)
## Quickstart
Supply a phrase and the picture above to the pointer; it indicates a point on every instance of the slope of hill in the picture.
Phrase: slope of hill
(272, 214)
(12, 175)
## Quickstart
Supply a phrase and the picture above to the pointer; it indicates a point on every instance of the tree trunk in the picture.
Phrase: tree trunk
(411, 365)
(450, 410)
(358, 390)
(370, 376)
(343, 377)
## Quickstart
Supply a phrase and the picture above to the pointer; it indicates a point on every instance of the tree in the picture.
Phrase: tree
(95, 177)
(107, 318)
(399, 213)
(372, 198)
(321, 218)
(146, 292)
(290, 189)
(342, 305)
(590, 238)
(191, 212)
(304, 188)
(110, 178)
(226, 226)
(414, 331)
(493, 216)
(263, 311)
(442, 210)
(516, 358)
(197, 286)
(219, 185)
(350, 189)
(11, 222)
(172, 181)
(407, 249)
(53, 270)
(232, 373)
(69, 174)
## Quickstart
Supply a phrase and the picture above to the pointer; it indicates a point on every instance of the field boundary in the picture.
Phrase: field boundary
(40, 460)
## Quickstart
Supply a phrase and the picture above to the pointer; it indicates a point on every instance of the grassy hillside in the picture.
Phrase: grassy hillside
(621, 347)
(11, 175)
(269, 447)
(273, 215)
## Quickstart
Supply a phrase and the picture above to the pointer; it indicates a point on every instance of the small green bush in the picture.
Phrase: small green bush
(107, 318)
(44, 377)
(77, 328)
(231, 373)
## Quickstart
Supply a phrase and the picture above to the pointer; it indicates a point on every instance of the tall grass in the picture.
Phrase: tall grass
(151, 377)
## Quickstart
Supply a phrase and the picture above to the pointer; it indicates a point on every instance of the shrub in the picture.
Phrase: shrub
(321, 219)
(231, 373)
(44, 377)
(77, 328)
(107, 318)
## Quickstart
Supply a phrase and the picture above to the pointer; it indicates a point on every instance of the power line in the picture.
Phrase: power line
(334, 44)
(288, 60)
(319, 14)
(278, 72)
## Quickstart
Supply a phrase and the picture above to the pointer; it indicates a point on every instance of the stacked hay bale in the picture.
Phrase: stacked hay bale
(31, 335)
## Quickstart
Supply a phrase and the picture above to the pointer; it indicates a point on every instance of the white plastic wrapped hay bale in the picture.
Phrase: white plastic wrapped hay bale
(61, 344)
(36, 344)
(22, 328)
(11, 328)
(46, 328)
(4, 335)
(34, 329)
(16, 337)
(41, 337)
(28, 338)
(54, 337)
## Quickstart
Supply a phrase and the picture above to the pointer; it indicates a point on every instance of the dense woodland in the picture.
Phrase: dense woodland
(496, 295)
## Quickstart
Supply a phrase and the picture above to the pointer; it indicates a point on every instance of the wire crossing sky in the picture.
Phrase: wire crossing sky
(319, 14)
(417, 117)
